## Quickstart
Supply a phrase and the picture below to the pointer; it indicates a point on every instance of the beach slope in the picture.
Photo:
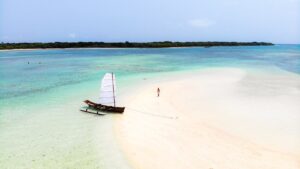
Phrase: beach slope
(213, 118)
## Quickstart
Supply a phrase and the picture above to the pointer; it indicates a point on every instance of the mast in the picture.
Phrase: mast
(113, 85)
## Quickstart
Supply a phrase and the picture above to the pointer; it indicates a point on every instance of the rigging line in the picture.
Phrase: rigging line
(152, 114)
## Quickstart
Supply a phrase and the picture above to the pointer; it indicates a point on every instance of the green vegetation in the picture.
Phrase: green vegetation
(126, 44)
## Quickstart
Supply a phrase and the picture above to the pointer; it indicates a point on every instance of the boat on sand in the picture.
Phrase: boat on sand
(107, 99)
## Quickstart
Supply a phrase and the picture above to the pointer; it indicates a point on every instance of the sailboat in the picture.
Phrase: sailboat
(107, 99)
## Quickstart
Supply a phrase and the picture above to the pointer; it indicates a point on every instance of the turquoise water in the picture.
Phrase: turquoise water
(41, 91)
(48, 69)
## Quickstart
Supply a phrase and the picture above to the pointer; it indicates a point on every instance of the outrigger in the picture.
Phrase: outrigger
(107, 100)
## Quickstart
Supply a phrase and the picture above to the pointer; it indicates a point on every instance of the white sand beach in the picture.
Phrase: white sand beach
(224, 118)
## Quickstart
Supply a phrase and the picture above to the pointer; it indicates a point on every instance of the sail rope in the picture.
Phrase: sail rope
(152, 114)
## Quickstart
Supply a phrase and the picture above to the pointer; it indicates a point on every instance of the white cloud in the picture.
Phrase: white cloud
(72, 35)
(201, 23)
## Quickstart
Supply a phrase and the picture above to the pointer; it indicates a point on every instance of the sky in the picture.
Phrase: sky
(276, 21)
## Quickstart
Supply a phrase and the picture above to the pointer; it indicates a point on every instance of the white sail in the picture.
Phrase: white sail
(108, 90)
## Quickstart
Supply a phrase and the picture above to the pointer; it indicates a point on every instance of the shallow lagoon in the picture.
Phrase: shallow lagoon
(40, 125)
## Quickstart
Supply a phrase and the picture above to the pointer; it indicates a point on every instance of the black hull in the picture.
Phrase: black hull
(104, 108)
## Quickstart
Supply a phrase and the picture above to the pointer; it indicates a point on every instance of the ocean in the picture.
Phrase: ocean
(41, 92)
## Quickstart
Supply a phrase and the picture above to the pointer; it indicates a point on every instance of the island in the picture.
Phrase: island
(164, 44)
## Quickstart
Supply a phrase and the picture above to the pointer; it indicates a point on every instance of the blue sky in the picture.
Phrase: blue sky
(276, 21)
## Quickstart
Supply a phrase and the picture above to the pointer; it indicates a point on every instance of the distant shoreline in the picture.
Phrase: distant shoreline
(113, 45)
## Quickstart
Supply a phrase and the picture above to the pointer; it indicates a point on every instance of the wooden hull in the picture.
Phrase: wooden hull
(104, 108)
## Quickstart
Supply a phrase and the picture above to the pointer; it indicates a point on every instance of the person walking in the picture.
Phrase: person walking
(158, 92)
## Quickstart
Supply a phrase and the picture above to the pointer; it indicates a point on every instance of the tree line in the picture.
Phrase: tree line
(165, 44)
